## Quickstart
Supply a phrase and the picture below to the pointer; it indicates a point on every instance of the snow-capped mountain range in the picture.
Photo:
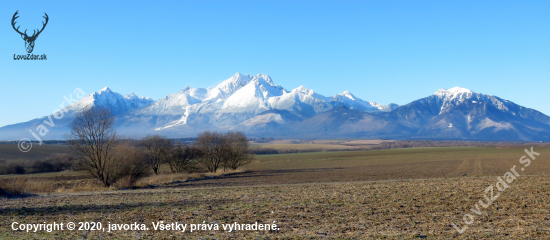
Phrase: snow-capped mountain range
(259, 107)
(239, 100)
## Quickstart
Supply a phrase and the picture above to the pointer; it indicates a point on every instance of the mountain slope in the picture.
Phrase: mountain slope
(55, 126)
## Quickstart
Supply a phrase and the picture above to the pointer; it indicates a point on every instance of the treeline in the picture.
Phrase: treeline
(45, 142)
(209, 152)
(65, 142)
(447, 143)
(262, 140)
(110, 159)
(53, 163)
(263, 151)
(399, 144)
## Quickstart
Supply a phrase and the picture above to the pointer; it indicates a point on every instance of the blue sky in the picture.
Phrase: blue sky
(382, 51)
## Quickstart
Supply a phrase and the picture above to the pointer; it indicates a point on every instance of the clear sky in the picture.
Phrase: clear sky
(382, 51)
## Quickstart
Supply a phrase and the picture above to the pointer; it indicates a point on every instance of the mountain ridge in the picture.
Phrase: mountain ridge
(259, 107)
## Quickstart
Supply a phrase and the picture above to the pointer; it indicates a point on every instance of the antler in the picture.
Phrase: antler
(43, 25)
(13, 22)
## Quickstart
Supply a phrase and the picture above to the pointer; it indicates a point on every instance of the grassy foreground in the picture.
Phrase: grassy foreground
(342, 195)
(395, 209)
(345, 166)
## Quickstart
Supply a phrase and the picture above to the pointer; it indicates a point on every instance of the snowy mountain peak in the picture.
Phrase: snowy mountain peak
(234, 83)
(134, 97)
(351, 101)
(186, 88)
(347, 94)
(109, 99)
(309, 92)
(266, 78)
(105, 89)
(303, 89)
(448, 99)
(456, 91)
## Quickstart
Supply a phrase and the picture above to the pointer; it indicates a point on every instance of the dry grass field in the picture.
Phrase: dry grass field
(395, 210)
(10, 152)
(317, 145)
(314, 146)
(396, 194)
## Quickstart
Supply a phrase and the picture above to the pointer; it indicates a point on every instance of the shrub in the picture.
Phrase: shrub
(183, 158)
(228, 150)
(236, 152)
(14, 185)
(131, 164)
(42, 166)
(15, 168)
(61, 162)
(212, 146)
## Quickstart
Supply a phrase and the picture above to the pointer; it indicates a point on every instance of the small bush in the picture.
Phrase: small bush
(131, 165)
(16, 185)
(183, 158)
(36, 185)
(229, 150)
(15, 168)
(42, 166)
(166, 178)
(61, 162)
(261, 151)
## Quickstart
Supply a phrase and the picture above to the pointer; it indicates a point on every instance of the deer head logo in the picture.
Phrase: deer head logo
(29, 41)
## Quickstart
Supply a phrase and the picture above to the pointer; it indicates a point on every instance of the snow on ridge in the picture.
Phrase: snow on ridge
(264, 118)
(347, 99)
(304, 90)
(266, 78)
(105, 89)
(448, 99)
(347, 94)
(254, 96)
(234, 83)
(133, 96)
(382, 107)
(453, 92)
(109, 99)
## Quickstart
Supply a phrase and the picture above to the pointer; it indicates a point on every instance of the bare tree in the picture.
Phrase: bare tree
(212, 148)
(236, 153)
(93, 139)
(183, 158)
(228, 150)
(157, 148)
